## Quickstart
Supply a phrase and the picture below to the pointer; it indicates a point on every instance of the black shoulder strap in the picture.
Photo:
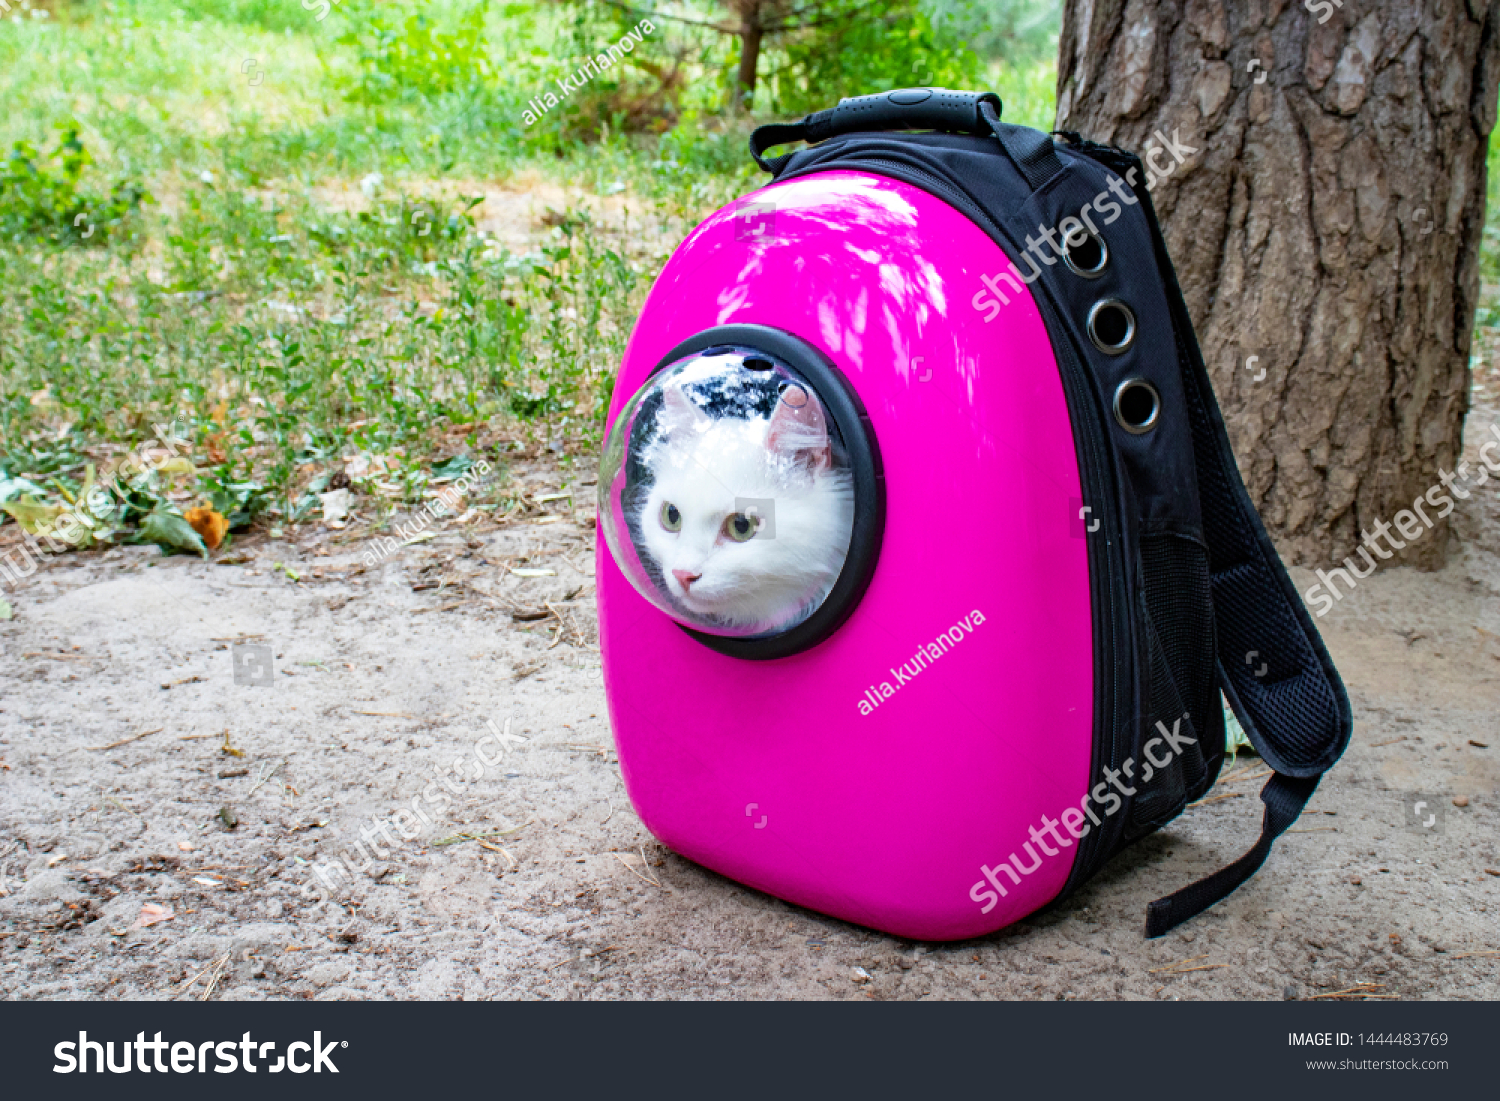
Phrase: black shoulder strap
(1272, 665)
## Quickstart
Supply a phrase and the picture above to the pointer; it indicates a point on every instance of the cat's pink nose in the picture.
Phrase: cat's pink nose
(686, 577)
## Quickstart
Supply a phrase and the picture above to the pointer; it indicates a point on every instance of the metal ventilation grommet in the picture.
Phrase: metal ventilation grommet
(1111, 326)
(1087, 255)
(1137, 406)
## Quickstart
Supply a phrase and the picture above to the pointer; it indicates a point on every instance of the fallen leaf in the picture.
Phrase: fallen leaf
(179, 465)
(211, 525)
(451, 468)
(32, 515)
(5, 609)
(166, 528)
(151, 914)
(11, 488)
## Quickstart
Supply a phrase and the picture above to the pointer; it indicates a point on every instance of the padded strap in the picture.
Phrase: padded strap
(1284, 797)
(1272, 665)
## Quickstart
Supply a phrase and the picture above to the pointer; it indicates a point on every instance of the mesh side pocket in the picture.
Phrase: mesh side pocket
(1180, 603)
(1182, 694)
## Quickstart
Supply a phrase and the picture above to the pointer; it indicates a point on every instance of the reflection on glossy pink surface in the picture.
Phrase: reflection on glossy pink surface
(853, 778)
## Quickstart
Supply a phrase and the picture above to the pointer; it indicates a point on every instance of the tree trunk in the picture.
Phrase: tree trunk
(751, 32)
(1326, 231)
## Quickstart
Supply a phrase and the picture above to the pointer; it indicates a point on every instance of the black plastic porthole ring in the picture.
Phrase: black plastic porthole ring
(1128, 412)
(848, 413)
(1102, 308)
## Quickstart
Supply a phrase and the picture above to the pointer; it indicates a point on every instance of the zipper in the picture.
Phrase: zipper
(1112, 641)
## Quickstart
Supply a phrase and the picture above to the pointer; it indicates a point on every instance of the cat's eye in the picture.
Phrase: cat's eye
(671, 517)
(741, 528)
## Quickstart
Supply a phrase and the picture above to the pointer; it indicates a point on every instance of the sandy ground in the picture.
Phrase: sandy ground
(380, 673)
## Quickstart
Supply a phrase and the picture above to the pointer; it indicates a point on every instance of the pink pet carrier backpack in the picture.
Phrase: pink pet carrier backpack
(942, 370)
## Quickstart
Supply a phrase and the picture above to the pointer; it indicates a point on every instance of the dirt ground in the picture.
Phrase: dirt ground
(381, 672)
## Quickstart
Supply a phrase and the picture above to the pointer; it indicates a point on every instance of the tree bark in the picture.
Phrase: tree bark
(751, 32)
(1326, 231)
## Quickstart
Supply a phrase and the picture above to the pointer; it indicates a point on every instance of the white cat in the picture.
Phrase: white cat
(764, 568)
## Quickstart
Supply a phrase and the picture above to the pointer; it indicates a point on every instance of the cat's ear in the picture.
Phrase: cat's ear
(679, 414)
(799, 431)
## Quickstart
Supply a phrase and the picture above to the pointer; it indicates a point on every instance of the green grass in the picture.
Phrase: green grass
(233, 288)
(261, 226)
(281, 326)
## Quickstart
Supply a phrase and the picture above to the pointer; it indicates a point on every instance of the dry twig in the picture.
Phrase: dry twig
(132, 738)
(633, 872)
(213, 980)
(459, 838)
(1178, 968)
(1217, 798)
(1246, 774)
(266, 777)
(1358, 990)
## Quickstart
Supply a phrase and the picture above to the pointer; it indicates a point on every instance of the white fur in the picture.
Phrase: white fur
(701, 465)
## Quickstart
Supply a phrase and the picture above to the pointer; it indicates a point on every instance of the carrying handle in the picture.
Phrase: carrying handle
(909, 109)
(903, 109)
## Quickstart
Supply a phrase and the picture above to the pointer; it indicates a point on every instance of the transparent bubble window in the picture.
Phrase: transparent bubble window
(726, 495)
